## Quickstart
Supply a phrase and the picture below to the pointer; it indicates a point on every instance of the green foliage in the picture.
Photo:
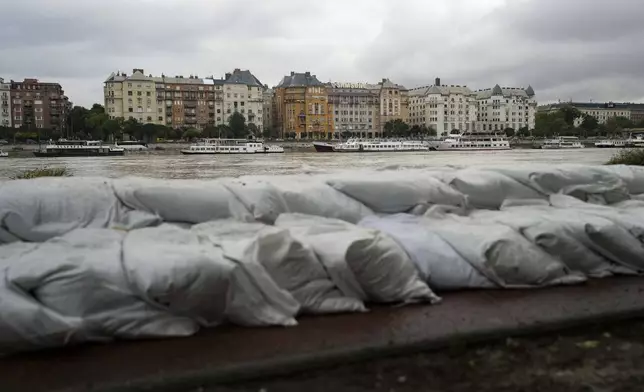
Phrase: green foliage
(628, 157)
(617, 124)
(43, 172)
(523, 132)
(590, 124)
(237, 125)
(552, 123)
(253, 130)
(191, 133)
(569, 114)
(509, 132)
(347, 134)
(397, 128)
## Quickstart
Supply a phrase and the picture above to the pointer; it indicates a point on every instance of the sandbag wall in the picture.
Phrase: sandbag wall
(93, 259)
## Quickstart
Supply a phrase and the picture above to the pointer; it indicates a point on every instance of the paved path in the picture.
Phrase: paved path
(232, 353)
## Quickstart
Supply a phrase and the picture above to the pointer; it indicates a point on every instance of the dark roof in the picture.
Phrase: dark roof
(497, 90)
(243, 77)
(530, 91)
(591, 105)
(299, 80)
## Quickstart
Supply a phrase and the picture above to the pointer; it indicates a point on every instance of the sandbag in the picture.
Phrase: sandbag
(187, 275)
(39, 209)
(588, 183)
(437, 262)
(560, 236)
(394, 192)
(292, 265)
(502, 254)
(633, 176)
(79, 275)
(487, 189)
(190, 201)
(376, 262)
(295, 194)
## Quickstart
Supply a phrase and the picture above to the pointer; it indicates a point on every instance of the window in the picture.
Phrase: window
(17, 118)
(130, 110)
(129, 93)
(138, 93)
(149, 118)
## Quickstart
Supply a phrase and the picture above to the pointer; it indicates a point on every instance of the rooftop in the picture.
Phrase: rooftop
(299, 80)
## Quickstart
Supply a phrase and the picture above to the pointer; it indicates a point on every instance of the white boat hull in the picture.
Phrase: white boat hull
(450, 148)
(196, 152)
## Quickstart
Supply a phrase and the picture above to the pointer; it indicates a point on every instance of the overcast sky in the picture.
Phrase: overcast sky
(566, 49)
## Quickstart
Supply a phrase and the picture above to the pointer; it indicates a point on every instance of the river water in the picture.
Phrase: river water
(173, 165)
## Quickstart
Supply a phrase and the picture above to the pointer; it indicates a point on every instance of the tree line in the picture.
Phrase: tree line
(96, 124)
(562, 122)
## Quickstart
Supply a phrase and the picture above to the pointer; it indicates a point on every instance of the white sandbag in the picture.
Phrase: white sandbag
(79, 275)
(394, 192)
(487, 189)
(293, 266)
(191, 201)
(381, 267)
(502, 254)
(588, 183)
(39, 209)
(266, 199)
(633, 176)
(437, 262)
(560, 236)
(189, 276)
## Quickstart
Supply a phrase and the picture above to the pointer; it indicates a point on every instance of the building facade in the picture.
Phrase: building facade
(500, 108)
(354, 109)
(394, 102)
(443, 108)
(184, 102)
(301, 107)
(5, 104)
(601, 111)
(38, 105)
(268, 111)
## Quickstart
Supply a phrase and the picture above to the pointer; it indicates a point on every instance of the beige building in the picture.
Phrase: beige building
(506, 107)
(394, 103)
(182, 102)
(5, 104)
(354, 109)
(443, 107)
(267, 113)
(601, 111)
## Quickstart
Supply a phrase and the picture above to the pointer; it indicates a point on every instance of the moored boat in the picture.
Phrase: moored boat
(474, 141)
(78, 148)
(4, 154)
(562, 142)
(323, 147)
(132, 145)
(230, 146)
(381, 145)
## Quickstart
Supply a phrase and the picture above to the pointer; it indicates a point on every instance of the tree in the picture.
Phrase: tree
(346, 134)
(76, 119)
(210, 131)
(618, 124)
(589, 124)
(94, 122)
(570, 114)
(397, 128)
(523, 132)
(113, 129)
(132, 128)
(253, 130)
(237, 124)
(431, 131)
(191, 133)
(454, 132)
(509, 132)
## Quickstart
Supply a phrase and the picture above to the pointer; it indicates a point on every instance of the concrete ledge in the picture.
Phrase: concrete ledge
(232, 353)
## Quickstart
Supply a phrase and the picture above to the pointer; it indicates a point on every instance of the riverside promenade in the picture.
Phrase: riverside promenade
(233, 354)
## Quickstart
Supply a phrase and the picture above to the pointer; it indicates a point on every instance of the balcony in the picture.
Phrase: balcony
(190, 104)
(190, 114)
(191, 120)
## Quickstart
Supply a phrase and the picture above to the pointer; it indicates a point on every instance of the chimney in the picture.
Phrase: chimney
(437, 82)
(237, 70)
(228, 75)
(307, 74)
(292, 73)
(384, 80)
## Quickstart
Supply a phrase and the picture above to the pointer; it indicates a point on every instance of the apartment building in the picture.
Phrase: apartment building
(5, 104)
(394, 102)
(354, 108)
(506, 107)
(268, 111)
(301, 107)
(38, 105)
(178, 101)
(443, 107)
(601, 111)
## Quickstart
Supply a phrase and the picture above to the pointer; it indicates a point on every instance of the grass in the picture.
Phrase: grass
(43, 172)
(628, 157)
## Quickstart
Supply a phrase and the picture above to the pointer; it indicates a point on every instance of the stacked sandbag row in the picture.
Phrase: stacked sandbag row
(97, 259)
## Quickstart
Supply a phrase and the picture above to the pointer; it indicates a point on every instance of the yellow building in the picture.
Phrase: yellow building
(301, 107)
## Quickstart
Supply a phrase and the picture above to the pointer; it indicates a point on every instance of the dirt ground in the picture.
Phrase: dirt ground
(598, 359)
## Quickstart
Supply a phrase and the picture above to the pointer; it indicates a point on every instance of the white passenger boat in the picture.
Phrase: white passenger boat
(637, 141)
(473, 141)
(611, 143)
(4, 154)
(562, 142)
(131, 145)
(231, 146)
(381, 145)
(78, 148)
